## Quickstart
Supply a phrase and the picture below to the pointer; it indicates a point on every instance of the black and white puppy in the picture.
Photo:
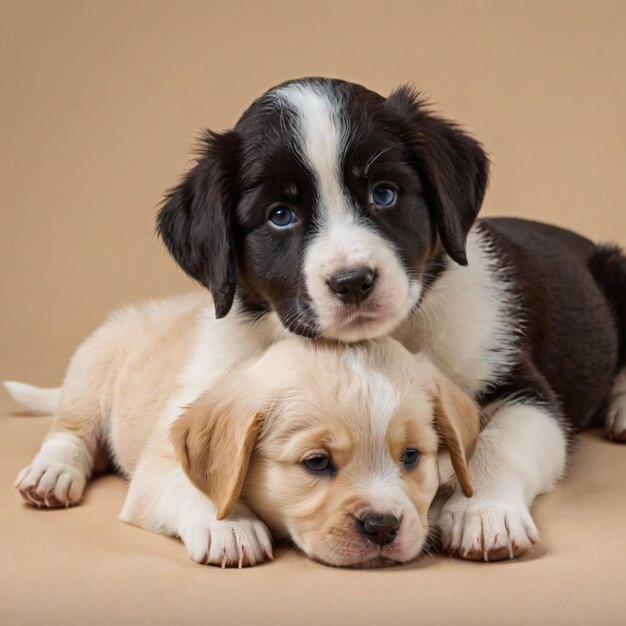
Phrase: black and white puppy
(347, 215)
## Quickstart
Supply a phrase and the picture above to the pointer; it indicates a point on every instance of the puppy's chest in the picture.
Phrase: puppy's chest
(468, 321)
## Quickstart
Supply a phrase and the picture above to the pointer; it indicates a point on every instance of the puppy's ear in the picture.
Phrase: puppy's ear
(196, 219)
(453, 166)
(215, 437)
(458, 421)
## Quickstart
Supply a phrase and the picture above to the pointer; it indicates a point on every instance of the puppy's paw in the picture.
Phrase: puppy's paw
(480, 530)
(616, 419)
(240, 540)
(51, 484)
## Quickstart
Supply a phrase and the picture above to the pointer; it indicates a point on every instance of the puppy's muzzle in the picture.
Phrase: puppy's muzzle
(378, 529)
(352, 286)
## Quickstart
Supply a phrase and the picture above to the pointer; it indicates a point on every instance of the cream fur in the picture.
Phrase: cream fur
(361, 406)
(125, 385)
(37, 400)
(127, 389)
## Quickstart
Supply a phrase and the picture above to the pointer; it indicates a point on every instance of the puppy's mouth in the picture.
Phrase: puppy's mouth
(357, 319)
(370, 562)
(378, 561)
(355, 313)
(354, 322)
(379, 315)
(366, 556)
(347, 320)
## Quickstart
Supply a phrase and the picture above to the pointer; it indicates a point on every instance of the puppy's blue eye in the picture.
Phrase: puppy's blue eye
(384, 196)
(410, 458)
(281, 216)
(319, 464)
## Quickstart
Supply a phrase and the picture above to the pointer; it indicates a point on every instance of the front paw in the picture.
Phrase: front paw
(51, 484)
(240, 540)
(480, 529)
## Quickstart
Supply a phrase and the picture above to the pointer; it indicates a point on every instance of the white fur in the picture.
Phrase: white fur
(465, 320)
(344, 246)
(383, 396)
(161, 498)
(381, 483)
(384, 487)
(520, 454)
(58, 473)
(36, 400)
(343, 242)
(322, 131)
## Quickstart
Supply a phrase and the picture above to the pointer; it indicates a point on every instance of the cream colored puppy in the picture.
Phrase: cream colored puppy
(334, 447)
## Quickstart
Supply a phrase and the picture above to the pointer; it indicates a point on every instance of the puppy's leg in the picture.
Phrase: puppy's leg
(162, 499)
(616, 416)
(520, 454)
(59, 472)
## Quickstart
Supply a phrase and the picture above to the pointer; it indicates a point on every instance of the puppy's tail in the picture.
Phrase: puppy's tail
(608, 267)
(36, 400)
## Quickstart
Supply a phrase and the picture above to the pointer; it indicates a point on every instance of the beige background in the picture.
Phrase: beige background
(100, 103)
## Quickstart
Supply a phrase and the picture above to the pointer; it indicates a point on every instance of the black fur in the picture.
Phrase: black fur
(608, 266)
(215, 222)
(568, 346)
(453, 166)
(196, 221)
(571, 294)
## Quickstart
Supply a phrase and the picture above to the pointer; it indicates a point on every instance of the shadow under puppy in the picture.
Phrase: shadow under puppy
(334, 447)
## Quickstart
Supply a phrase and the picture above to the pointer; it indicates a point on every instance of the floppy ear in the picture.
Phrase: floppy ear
(214, 439)
(195, 221)
(453, 166)
(458, 421)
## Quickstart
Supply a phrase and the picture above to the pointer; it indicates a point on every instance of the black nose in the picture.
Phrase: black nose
(380, 529)
(352, 286)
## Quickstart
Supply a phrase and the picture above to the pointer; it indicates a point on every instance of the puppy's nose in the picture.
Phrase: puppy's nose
(377, 528)
(352, 286)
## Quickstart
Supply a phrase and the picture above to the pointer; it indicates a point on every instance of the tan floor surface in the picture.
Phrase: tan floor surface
(84, 566)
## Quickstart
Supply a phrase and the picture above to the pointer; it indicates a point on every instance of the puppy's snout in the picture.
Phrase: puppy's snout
(352, 286)
(379, 528)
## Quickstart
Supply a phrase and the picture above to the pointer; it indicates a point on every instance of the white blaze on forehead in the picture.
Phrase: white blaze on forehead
(381, 395)
(380, 480)
(322, 130)
(387, 493)
(342, 240)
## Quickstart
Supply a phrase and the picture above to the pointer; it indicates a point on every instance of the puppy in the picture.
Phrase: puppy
(331, 211)
(335, 448)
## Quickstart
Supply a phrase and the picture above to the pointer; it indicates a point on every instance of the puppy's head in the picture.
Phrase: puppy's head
(329, 204)
(335, 448)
